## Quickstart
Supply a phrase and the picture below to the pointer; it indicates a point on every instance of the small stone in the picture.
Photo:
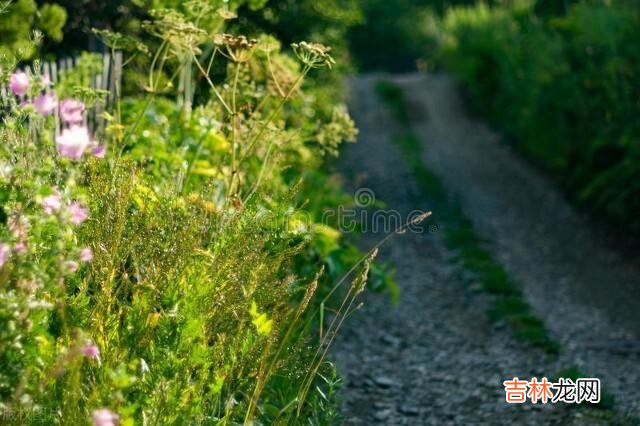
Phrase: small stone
(380, 405)
(409, 410)
(384, 382)
(382, 414)
(449, 378)
(390, 339)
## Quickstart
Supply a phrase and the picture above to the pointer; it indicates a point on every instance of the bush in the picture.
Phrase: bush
(19, 20)
(562, 87)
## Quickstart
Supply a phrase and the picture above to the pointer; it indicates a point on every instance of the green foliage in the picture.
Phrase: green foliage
(18, 21)
(394, 34)
(394, 98)
(51, 19)
(325, 21)
(563, 86)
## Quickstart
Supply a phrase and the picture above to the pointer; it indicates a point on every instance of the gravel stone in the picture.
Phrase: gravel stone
(384, 382)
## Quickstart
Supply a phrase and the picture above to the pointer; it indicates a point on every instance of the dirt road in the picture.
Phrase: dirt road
(434, 358)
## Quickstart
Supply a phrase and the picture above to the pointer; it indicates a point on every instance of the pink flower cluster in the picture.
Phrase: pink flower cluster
(74, 140)
(76, 212)
(91, 351)
(19, 83)
(19, 225)
(104, 417)
(44, 103)
(5, 251)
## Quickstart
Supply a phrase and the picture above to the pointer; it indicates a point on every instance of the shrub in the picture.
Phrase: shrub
(562, 87)
(18, 21)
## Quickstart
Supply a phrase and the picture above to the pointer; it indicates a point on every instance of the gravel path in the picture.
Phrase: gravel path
(434, 358)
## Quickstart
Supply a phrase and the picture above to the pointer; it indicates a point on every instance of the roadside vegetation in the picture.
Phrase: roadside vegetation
(561, 80)
(171, 266)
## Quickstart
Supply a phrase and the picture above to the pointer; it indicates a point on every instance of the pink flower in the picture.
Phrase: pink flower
(71, 111)
(19, 83)
(104, 417)
(45, 80)
(45, 104)
(99, 151)
(20, 248)
(73, 142)
(51, 203)
(4, 253)
(78, 213)
(71, 266)
(86, 254)
(91, 351)
(18, 226)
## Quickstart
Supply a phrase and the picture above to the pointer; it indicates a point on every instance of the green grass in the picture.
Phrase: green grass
(604, 410)
(393, 97)
(607, 400)
(508, 304)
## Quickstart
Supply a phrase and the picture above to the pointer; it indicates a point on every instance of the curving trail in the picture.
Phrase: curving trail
(434, 358)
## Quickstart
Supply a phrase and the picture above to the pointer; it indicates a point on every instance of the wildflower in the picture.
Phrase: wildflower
(4, 253)
(28, 285)
(226, 14)
(73, 142)
(20, 248)
(71, 266)
(91, 351)
(51, 203)
(314, 55)
(45, 104)
(71, 111)
(99, 151)
(78, 213)
(18, 226)
(173, 27)
(104, 417)
(86, 254)
(239, 48)
(19, 83)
